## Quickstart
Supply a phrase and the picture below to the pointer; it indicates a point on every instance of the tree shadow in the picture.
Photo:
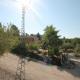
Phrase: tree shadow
(20, 50)
(75, 71)
(35, 57)
(23, 52)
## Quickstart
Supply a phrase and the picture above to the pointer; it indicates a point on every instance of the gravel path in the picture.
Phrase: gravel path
(35, 70)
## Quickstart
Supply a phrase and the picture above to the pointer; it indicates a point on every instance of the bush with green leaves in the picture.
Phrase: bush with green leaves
(77, 50)
(9, 38)
(51, 40)
(20, 50)
(33, 47)
(2, 40)
(53, 51)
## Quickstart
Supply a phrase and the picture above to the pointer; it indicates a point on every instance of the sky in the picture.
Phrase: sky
(64, 15)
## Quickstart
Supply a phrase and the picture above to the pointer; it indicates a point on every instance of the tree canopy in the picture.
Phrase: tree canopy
(51, 40)
(8, 38)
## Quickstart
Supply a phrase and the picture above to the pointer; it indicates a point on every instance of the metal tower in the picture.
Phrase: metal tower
(20, 73)
(23, 23)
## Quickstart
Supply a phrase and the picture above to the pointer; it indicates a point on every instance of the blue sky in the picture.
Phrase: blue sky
(62, 14)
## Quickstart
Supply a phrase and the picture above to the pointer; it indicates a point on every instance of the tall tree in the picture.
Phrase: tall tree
(38, 35)
(77, 50)
(14, 30)
(12, 37)
(51, 40)
(2, 39)
(0, 25)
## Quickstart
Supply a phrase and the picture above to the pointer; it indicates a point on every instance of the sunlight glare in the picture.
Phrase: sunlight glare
(24, 3)
(30, 6)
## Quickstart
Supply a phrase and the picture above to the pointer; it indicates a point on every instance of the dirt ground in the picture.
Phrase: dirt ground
(37, 70)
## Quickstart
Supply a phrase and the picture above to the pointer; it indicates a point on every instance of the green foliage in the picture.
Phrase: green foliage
(77, 50)
(39, 36)
(2, 48)
(0, 25)
(53, 51)
(33, 47)
(9, 38)
(20, 50)
(44, 45)
(70, 45)
(2, 40)
(51, 40)
(75, 41)
(14, 30)
(67, 46)
(51, 36)
(12, 36)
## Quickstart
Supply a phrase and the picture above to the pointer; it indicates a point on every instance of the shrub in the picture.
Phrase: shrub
(20, 50)
(33, 47)
(77, 50)
(53, 51)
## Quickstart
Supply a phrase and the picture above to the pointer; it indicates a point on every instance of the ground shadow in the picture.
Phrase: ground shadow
(74, 71)
(23, 52)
